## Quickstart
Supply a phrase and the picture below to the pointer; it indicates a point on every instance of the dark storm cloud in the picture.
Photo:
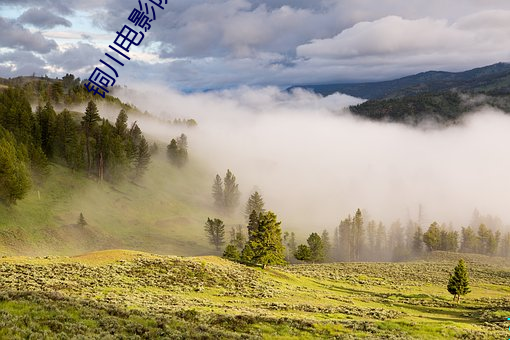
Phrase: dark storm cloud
(40, 17)
(17, 37)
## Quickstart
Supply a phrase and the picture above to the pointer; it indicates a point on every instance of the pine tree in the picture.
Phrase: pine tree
(177, 151)
(215, 230)
(121, 126)
(357, 234)
(470, 243)
(418, 241)
(14, 175)
(266, 241)
(89, 122)
(505, 245)
(67, 139)
(345, 233)
(432, 237)
(255, 203)
(231, 192)
(326, 243)
(303, 253)
(371, 238)
(46, 118)
(316, 247)
(143, 158)
(217, 193)
(458, 283)
(232, 253)
(81, 221)
(247, 254)
(237, 237)
(289, 240)
(253, 225)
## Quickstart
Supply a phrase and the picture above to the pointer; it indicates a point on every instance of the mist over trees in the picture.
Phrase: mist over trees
(177, 151)
(226, 193)
(82, 142)
(356, 240)
(215, 231)
(255, 203)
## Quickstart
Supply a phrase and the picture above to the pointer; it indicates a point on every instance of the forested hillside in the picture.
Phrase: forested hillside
(443, 97)
(72, 181)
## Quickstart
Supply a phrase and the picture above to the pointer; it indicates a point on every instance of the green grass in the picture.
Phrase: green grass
(139, 295)
(164, 213)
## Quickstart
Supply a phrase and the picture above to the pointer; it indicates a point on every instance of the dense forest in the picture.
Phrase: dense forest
(84, 142)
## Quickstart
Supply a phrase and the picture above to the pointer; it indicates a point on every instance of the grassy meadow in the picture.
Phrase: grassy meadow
(135, 295)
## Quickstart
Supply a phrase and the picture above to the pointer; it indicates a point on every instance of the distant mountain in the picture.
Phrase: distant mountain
(493, 79)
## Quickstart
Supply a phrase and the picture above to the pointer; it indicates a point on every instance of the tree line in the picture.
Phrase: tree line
(83, 142)
(357, 240)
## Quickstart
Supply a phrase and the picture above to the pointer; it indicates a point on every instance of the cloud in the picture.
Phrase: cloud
(42, 18)
(21, 62)
(75, 57)
(394, 42)
(17, 37)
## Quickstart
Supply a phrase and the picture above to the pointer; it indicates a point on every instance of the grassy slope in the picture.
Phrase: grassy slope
(138, 294)
(164, 213)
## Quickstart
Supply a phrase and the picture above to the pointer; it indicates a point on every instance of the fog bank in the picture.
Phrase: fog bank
(315, 163)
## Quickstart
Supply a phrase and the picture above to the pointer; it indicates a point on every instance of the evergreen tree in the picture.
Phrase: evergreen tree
(14, 176)
(81, 221)
(470, 243)
(217, 193)
(67, 140)
(46, 119)
(316, 247)
(505, 245)
(345, 231)
(177, 151)
(326, 243)
(303, 253)
(143, 158)
(232, 253)
(215, 231)
(247, 254)
(418, 241)
(253, 224)
(289, 240)
(458, 283)
(336, 245)
(266, 241)
(371, 238)
(121, 126)
(381, 241)
(237, 237)
(255, 203)
(89, 122)
(230, 192)
(357, 234)
(432, 237)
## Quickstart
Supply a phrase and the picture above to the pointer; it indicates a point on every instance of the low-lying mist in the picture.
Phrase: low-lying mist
(315, 163)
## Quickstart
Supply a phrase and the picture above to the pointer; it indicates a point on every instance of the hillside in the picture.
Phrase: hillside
(165, 213)
(140, 295)
(443, 97)
(488, 79)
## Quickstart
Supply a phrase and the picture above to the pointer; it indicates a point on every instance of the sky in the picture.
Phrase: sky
(216, 44)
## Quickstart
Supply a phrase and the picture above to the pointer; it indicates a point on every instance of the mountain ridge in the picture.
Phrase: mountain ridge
(491, 78)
